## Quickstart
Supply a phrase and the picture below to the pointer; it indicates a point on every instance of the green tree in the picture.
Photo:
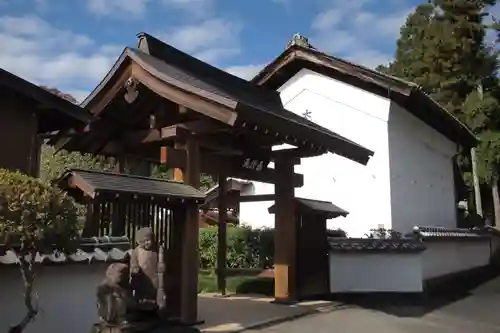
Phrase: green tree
(443, 49)
(34, 218)
(410, 47)
(53, 164)
(165, 172)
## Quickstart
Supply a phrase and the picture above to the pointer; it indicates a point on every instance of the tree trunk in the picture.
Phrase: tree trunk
(477, 189)
(496, 202)
(28, 278)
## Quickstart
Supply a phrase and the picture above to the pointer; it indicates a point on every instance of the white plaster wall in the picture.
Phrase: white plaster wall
(358, 115)
(375, 272)
(421, 166)
(441, 258)
(255, 214)
(66, 298)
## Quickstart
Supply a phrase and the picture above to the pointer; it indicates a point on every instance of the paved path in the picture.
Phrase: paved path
(478, 312)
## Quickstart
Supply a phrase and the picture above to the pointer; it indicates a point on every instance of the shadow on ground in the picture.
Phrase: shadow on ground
(439, 295)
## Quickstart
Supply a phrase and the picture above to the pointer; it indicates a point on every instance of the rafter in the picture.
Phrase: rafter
(212, 164)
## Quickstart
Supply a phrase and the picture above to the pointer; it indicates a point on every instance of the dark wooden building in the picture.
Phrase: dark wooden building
(27, 110)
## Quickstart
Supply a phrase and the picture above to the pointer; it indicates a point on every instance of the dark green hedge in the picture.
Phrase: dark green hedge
(246, 248)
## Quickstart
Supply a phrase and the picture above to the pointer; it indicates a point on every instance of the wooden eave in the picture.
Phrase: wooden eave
(308, 206)
(91, 183)
(53, 112)
(167, 82)
(404, 93)
(134, 64)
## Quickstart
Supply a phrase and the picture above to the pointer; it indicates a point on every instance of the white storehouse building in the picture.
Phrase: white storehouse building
(409, 181)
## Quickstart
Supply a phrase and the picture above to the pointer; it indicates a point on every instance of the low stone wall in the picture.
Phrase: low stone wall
(405, 265)
(375, 265)
(66, 296)
(65, 284)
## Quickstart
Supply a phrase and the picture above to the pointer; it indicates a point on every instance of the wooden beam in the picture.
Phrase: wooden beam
(222, 235)
(257, 197)
(198, 127)
(77, 182)
(176, 158)
(296, 153)
(267, 176)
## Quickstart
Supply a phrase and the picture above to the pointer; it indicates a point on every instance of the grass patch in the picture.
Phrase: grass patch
(207, 283)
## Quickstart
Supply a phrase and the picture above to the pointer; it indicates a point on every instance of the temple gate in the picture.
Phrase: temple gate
(160, 105)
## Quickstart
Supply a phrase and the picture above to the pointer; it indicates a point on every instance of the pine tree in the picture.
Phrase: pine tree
(442, 48)
(408, 63)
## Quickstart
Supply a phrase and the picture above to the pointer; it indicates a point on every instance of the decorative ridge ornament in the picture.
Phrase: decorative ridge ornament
(131, 93)
(299, 40)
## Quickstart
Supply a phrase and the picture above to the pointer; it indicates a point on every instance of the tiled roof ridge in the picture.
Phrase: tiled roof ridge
(403, 245)
(447, 232)
(94, 249)
(80, 256)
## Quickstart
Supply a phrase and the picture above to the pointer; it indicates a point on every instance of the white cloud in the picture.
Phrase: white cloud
(39, 52)
(210, 40)
(287, 4)
(350, 30)
(328, 19)
(199, 8)
(134, 8)
(246, 72)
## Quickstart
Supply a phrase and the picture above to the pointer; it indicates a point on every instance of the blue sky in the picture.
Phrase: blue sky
(72, 44)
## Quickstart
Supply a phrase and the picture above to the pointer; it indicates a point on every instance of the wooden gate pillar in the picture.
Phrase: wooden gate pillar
(190, 234)
(222, 235)
(284, 233)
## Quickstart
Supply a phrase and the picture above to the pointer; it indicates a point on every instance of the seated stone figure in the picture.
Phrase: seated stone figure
(114, 300)
(144, 271)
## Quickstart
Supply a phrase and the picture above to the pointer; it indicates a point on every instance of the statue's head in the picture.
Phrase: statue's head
(145, 238)
(118, 273)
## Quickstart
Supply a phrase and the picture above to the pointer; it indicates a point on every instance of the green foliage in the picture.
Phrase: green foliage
(35, 216)
(246, 248)
(207, 283)
(382, 233)
(162, 171)
(443, 49)
(165, 172)
(54, 164)
(488, 155)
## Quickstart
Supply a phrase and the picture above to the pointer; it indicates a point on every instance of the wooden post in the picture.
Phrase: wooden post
(285, 233)
(222, 235)
(190, 258)
(173, 277)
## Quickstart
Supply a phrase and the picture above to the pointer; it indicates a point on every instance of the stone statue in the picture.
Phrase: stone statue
(144, 271)
(114, 300)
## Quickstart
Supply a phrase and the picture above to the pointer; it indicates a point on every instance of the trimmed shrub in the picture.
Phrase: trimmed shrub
(246, 248)
(34, 217)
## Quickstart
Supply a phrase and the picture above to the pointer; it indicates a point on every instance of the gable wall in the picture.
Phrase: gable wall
(353, 113)
(421, 164)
